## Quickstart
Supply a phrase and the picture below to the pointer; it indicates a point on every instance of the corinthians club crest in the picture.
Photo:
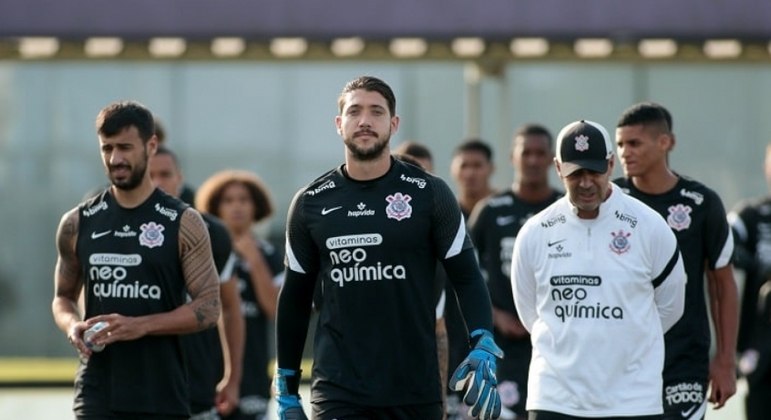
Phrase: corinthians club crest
(620, 243)
(582, 143)
(152, 234)
(679, 217)
(398, 206)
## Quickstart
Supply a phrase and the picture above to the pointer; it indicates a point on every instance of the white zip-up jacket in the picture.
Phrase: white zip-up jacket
(597, 296)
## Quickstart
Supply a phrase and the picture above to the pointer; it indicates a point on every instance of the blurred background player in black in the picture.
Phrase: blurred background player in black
(751, 224)
(494, 225)
(214, 355)
(186, 192)
(241, 200)
(471, 169)
(421, 156)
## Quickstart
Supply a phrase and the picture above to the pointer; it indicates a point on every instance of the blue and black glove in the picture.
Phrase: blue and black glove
(287, 383)
(477, 375)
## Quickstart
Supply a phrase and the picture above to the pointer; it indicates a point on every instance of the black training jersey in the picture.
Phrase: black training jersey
(697, 216)
(375, 245)
(204, 350)
(131, 266)
(751, 224)
(255, 379)
(493, 230)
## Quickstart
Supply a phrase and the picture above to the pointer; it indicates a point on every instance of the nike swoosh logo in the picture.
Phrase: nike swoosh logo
(325, 211)
(555, 242)
(505, 220)
(686, 413)
(95, 235)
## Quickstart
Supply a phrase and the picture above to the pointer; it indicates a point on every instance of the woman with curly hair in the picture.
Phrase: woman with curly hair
(241, 200)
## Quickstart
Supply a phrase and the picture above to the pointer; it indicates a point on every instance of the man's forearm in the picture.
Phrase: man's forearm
(724, 298)
(234, 332)
(293, 316)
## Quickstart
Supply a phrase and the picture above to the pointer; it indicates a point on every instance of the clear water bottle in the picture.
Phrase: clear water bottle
(99, 326)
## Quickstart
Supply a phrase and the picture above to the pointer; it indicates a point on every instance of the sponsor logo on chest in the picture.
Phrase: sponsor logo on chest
(94, 209)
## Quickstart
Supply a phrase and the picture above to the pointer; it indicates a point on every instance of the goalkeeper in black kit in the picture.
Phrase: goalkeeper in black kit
(372, 230)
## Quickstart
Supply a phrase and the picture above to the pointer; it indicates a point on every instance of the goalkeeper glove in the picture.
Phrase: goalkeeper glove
(477, 374)
(287, 383)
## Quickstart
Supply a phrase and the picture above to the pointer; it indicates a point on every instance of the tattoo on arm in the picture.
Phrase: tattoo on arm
(68, 278)
(198, 267)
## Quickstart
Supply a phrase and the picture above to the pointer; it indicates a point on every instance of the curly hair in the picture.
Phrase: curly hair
(209, 196)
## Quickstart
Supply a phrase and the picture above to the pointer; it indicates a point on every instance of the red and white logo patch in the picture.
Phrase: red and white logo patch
(398, 206)
(152, 234)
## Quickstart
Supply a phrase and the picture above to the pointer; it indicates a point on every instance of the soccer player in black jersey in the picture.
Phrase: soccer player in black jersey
(420, 155)
(751, 224)
(241, 200)
(134, 251)
(471, 168)
(373, 229)
(696, 215)
(494, 225)
(214, 379)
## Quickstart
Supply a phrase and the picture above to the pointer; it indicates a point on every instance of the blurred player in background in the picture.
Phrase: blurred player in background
(215, 355)
(241, 200)
(494, 225)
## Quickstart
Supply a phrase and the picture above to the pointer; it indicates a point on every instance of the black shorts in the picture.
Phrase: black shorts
(512, 387)
(331, 410)
(550, 415)
(685, 400)
(92, 403)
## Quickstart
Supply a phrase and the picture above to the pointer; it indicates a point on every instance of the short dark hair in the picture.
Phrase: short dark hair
(370, 84)
(415, 150)
(160, 131)
(163, 150)
(647, 114)
(474, 145)
(408, 158)
(533, 129)
(118, 116)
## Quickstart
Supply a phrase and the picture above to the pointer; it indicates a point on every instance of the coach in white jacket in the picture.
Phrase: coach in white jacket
(597, 279)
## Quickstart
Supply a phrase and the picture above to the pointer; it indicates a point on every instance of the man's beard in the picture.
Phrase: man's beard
(134, 178)
(372, 153)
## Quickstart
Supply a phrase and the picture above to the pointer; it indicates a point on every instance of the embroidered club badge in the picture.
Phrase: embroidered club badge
(582, 143)
(398, 206)
(679, 217)
(152, 235)
(620, 244)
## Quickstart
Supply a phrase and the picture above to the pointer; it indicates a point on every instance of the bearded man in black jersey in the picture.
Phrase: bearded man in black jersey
(134, 251)
(372, 230)
(696, 215)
